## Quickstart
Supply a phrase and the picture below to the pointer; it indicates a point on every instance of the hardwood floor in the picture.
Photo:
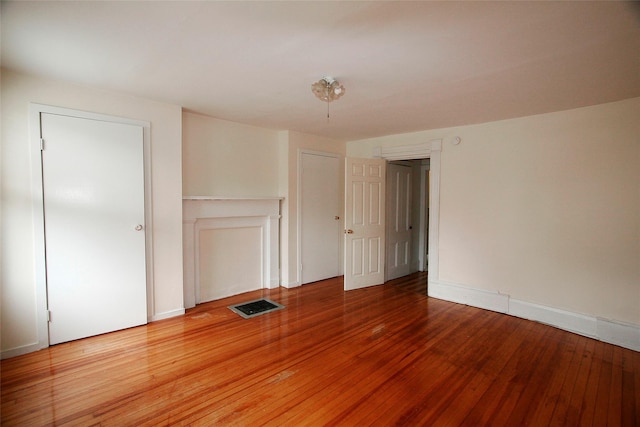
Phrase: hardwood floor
(386, 355)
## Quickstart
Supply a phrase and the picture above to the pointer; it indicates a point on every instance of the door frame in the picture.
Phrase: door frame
(428, 150)
(35, 112)
(340, 158)
(423, 249)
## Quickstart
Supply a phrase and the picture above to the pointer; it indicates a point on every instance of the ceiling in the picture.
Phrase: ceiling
(406, 66)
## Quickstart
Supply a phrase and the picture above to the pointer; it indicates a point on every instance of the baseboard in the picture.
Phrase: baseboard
(291, 284)
(29, 348)
(19, 351)
(623, 334)
(567, 320)
(274, 283)
(474, 297)
(609, 331)
(167, 314)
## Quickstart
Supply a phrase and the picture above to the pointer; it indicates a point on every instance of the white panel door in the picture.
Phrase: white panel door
(93, 184)
(399, 226)
(364, 223)
(320, 217)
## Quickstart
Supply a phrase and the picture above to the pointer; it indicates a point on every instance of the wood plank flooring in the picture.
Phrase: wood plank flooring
(383, 356)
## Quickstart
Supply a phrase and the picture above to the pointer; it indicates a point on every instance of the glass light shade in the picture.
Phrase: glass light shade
(327, 89)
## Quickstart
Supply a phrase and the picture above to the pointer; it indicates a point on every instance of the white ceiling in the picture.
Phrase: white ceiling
(406, 66)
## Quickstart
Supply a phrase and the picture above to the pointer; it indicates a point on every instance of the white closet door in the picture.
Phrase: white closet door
(93, 183)
(320, 217)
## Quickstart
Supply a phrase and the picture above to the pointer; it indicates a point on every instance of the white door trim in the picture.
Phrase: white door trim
(422, 247)
(428, 150)
(302, 152)
(35, 111)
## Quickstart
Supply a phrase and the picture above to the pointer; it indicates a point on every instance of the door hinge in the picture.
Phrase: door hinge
(41, 144)
(48, 316)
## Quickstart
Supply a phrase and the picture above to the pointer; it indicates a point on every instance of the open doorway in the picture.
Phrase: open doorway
(353, 260)
(428, 153)
(407, 217)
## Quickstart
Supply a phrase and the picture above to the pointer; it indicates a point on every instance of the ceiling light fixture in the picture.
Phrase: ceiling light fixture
(327, 89)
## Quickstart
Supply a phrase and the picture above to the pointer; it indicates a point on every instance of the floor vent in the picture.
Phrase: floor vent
(255, 308)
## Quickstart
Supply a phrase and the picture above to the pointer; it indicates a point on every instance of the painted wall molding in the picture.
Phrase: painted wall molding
(404, 152)
(19, 351)
(610, 331)
(168, 314)
(469, 296)
(289, 285)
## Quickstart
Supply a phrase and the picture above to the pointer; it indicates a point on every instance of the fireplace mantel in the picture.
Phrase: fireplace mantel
(201, 213)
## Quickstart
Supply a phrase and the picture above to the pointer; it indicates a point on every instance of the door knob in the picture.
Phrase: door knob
(348, 231)
(336, 217)
(139, 227)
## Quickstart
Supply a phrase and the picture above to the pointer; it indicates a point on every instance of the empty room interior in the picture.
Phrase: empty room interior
(320, 213)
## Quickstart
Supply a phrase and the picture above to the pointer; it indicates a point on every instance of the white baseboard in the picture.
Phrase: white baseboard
(291, 284)
(474, 297)
(567, 320)
(30, 348)
(19, 351)
(167, 314)
(274, 284)
(623, 334)
(609, 331)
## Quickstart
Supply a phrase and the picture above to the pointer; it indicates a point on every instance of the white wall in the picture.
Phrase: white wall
(222, 158)
(18, 305)
(543, 209)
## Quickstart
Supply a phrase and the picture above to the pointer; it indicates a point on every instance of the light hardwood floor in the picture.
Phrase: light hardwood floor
(386, 355)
